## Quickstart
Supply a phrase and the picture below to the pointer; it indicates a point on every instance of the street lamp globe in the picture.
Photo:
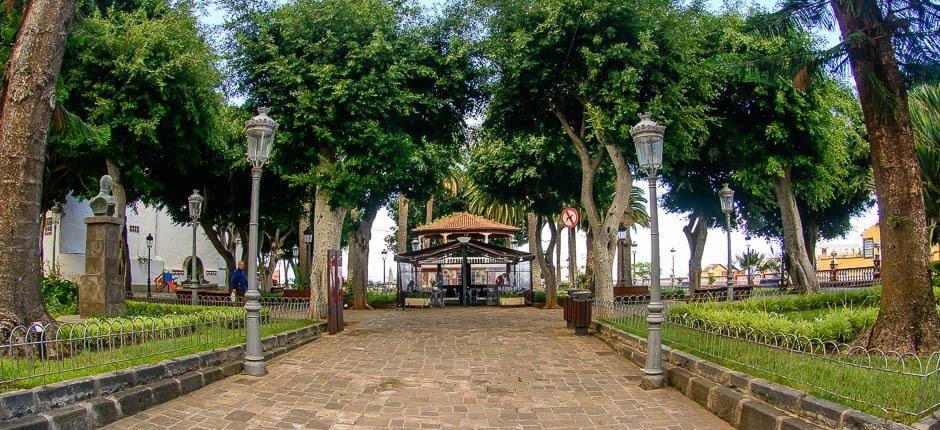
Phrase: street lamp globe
(149, 241)
(296, 251)
(648, 138)
(726, 195)
(195, 205)
(56, 213)
(308, 236)
(260, 131)
(622, 234)
(415, 244)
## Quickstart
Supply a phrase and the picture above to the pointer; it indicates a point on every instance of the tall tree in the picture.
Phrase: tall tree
(586, 69)
(377, 97)
(888, 44)
(30, 76)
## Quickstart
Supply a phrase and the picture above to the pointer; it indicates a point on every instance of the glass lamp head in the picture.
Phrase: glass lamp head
(149, 240)
(648, 139)
(726, 196)
(260, 133)
(296, 251)
(195, 205)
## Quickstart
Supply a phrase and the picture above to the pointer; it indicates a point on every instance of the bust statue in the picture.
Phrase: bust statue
(103, 203)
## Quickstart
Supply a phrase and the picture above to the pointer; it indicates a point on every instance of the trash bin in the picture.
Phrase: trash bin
(566, 311)
(581, 315)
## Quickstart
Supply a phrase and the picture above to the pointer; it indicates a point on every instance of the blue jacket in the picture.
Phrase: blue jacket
(238, 281)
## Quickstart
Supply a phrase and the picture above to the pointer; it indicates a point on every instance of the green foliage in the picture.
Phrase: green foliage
(838, 317)
(59, 295)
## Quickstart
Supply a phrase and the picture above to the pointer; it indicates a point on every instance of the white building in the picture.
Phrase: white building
(172, 244)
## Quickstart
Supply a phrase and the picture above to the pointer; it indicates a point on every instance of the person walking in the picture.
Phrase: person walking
(238, 284)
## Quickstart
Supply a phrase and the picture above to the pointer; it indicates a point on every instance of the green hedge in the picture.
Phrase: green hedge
(836, 317)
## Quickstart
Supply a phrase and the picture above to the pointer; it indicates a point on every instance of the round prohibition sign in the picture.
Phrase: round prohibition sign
(570, 217)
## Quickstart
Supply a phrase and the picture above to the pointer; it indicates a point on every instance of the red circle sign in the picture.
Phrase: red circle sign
(570, 217)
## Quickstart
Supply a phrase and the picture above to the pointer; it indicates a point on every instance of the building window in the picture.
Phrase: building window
(134, 229)
(48, 230)
(868, 247)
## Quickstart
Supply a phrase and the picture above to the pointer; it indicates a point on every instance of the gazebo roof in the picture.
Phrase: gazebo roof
(449, 248)
(462, 222)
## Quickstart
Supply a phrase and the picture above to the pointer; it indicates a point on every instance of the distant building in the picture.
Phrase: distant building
(172, 244)
(858, 255)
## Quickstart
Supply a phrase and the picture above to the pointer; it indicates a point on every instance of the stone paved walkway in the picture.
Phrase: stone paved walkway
(439, 368)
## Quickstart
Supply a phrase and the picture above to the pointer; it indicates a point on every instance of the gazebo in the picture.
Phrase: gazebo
(464, 264)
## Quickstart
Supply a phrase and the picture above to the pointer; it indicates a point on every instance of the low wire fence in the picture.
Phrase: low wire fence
(150, 331)
(893, 385)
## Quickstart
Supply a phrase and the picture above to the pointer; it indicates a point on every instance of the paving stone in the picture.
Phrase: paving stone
(451, 368)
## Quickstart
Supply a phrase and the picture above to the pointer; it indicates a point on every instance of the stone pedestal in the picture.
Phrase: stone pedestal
(101, 292)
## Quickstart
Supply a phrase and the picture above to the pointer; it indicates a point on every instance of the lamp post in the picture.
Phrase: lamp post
(672, 275)
(308, 257)
(747, 256)
(296, 252)
(648, 138)
(415, 244)
(832, 266)
(149, 248)
(384, 256)
(726, 195)
(876, 274)
(633, 262)
(621, 241)
(260, 135)
(195, 209)
(56, 218)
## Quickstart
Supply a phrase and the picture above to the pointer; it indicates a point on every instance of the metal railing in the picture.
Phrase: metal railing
(889, 384)
(155, 329)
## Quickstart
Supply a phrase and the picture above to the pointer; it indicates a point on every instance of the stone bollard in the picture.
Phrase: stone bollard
(101, 290)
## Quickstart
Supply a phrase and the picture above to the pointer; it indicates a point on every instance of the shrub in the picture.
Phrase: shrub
(59, 295)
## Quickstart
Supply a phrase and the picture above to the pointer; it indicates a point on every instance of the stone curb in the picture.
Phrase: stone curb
(92, 402)
(744, 401)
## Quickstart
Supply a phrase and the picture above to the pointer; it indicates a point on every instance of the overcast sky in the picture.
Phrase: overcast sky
(671, 236)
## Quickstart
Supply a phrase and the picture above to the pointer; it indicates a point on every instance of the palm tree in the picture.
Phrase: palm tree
(925, 120)
(753, 262)
(635, 216)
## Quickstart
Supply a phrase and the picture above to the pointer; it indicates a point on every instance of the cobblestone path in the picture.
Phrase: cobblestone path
(440, 368)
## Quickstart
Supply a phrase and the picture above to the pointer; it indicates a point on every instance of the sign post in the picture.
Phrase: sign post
(570, 217)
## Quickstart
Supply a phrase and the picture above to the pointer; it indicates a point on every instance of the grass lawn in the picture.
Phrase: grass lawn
(95, 356)
(897, 396)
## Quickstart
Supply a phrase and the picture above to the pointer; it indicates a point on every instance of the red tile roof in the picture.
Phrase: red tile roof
(463, 222)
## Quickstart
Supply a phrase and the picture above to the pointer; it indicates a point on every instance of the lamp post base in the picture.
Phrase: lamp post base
(256, 368)
(652, 381)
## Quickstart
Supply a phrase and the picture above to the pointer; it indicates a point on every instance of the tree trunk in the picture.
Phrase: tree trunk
(401, 233)
(120, 211)
(908, 320)
(302, 225)
(222, 239)
(802, 273)
(328, 231)
(572, 257)
(810, 236)
(589, 257)
(359, 258)
(603, 226)
(696, 232)
(557, 228)
(429, 211)
(544, 258)
(25, 108)
(533, 236)
(627, 250)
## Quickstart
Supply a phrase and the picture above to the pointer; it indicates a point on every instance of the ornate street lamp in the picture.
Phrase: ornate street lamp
(648, 138)
(726, 196)
(672, 275)
(195, 210)
(633, 262)
(747, 256)
(260, 133)
(876, 274)
(308, 240)
(149, 249)
(296, 252)
(384, 256)
(621, 264)
(56, 219)
(833, 264)
(416, 244)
